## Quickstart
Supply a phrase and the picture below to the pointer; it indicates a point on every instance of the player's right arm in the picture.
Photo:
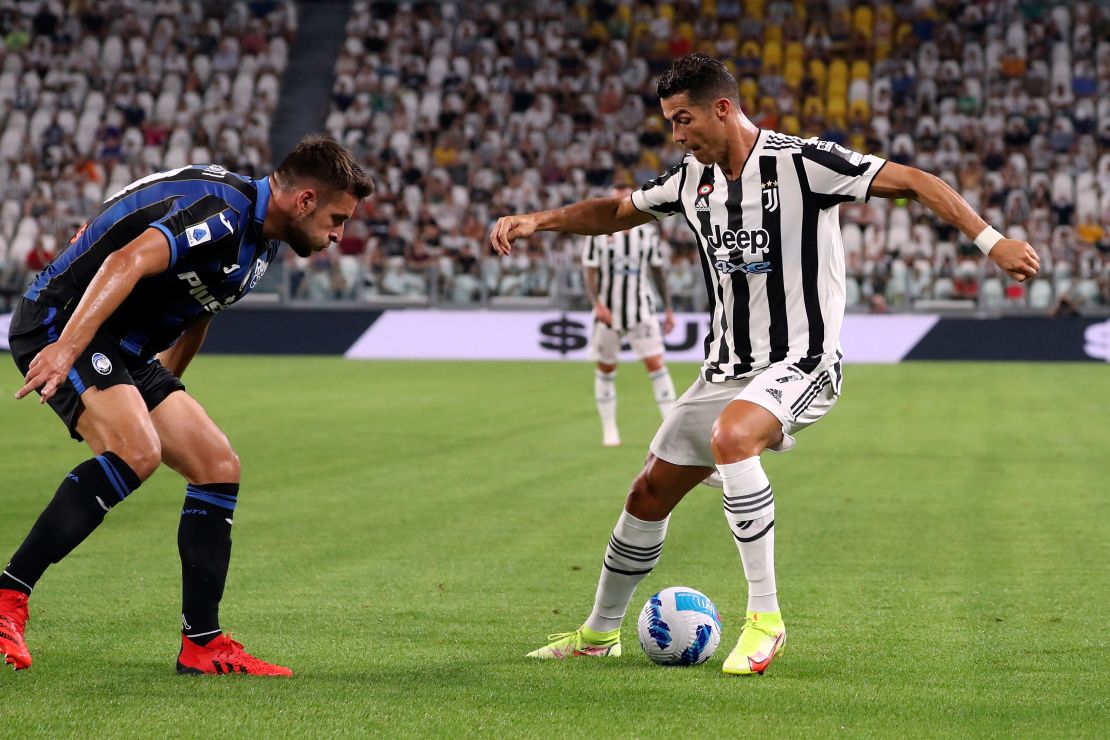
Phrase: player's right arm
(588, 217)
(144, 256)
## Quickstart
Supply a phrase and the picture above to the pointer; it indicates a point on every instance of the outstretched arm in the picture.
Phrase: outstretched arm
(177, 358)
(588, 217)
(1016, 257)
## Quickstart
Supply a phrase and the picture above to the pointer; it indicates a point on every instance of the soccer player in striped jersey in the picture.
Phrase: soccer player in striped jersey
(107, 329)
(616, 268)
(763, 209)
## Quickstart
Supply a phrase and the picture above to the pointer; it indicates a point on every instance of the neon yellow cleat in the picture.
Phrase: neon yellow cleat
(761, 641)
(582, 642)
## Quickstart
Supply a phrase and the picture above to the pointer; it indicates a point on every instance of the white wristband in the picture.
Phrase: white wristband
(987, 238)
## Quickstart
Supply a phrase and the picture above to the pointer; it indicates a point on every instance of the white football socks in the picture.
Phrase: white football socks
(749, 505)
(633, 550)
(663, 387)
(605, 393)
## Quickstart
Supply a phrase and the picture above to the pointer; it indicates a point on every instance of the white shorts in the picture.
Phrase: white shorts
(605, 343)
(796, 398)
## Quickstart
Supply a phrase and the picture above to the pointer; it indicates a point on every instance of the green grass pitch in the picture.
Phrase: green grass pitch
(407, 531)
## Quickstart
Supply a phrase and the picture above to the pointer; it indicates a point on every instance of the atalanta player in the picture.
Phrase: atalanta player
(105, 333)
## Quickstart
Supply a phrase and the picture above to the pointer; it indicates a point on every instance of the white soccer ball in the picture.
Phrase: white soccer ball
(679, 626)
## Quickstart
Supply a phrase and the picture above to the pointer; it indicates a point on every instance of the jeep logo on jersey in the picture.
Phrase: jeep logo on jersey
(753, 268)
(755, 241)
(198, 234)
(203, 296)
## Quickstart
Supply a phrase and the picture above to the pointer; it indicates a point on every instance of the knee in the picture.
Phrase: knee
(223, 468)
(142, 455)
(645, 501)
(733, 442)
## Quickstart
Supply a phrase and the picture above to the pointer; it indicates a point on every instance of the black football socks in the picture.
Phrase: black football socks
(204, 541)
(86, 494)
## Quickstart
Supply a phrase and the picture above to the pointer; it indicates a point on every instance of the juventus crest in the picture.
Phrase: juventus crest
(771, 196)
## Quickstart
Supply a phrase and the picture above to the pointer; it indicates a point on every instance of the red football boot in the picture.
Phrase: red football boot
(222, 655)
(13, 620)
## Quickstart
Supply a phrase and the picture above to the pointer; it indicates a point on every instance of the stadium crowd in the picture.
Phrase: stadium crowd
(95, 94)
(467, 111)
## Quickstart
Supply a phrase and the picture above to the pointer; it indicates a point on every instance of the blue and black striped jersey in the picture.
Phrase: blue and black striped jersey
(212, 220)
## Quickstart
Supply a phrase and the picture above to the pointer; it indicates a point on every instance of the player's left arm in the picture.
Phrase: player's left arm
(177, 358)
(1016, 257)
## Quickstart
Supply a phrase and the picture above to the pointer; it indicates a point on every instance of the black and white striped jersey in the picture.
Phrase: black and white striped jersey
(624, 284)
(770, 248)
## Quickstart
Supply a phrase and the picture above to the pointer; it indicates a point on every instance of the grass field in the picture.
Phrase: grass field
(406, 532)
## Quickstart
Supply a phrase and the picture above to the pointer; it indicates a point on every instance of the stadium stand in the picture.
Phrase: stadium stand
(467, 111)
(95, 94)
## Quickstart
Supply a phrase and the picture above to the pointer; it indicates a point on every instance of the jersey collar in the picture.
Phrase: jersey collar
(263, 202)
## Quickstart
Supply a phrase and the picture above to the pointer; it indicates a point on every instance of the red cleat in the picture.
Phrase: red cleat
(13, 620)
(222, 655)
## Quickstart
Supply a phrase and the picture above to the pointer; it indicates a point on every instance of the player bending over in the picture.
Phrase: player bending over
(616, 270)
(106, 331)
(763, 209)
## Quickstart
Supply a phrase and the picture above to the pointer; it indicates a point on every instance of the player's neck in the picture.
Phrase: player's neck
(741, 140)
(274, 225)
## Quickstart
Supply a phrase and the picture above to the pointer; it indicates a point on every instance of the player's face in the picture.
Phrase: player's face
(318, 221)
(697, 129)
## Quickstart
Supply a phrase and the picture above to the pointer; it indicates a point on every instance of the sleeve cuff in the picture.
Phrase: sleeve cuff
(170, 239)
(871, 180)
(641, 208)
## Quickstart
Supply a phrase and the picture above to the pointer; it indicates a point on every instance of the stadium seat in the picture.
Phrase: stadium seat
(991, 294)
(1040, 294)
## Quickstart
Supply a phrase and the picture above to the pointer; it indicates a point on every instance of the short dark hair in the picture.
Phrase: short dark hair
(322, 159)
(702, 77)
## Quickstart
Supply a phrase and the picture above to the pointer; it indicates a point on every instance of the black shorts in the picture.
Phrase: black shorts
(102, 365)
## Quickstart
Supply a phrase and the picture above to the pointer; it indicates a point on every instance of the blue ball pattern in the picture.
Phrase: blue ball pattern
(659, 630)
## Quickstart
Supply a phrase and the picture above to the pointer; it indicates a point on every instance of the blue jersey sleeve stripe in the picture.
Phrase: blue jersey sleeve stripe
(170, 238)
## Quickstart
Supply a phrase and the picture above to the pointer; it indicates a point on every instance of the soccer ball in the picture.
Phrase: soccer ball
(679, 626)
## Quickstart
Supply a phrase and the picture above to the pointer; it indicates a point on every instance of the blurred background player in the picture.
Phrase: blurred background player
(616, 268)
(763, 207)
(107, 329)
